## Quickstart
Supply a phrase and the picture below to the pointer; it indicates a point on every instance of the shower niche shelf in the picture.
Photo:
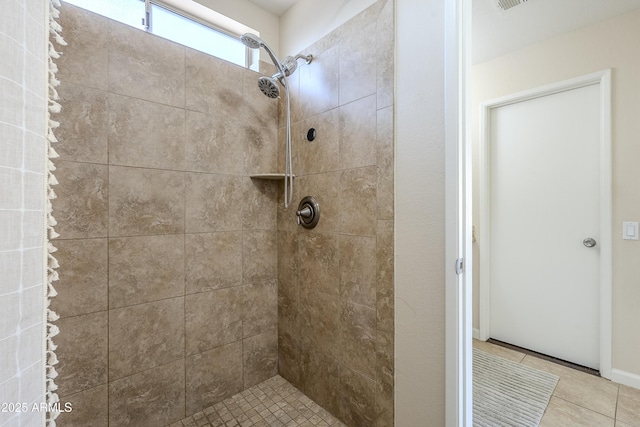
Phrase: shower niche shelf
(270, 176)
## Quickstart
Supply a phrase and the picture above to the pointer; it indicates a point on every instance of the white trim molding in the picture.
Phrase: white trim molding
(602, 78)
(626, 378)
(458, 208)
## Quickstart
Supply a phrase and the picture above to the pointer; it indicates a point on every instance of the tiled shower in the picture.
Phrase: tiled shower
(183, 281)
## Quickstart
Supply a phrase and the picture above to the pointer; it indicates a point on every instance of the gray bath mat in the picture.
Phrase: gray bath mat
(507, 393)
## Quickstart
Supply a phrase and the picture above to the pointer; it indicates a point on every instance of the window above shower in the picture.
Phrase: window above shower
(191, 25)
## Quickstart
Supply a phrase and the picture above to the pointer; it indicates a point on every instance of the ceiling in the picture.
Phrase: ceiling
(277, 7)
(497, 32)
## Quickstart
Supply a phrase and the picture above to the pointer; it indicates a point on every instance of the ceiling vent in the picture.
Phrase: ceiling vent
(508, 4)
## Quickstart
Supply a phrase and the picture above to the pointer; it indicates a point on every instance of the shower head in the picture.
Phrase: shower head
(254, 42)
(251, 41)
(269, 86)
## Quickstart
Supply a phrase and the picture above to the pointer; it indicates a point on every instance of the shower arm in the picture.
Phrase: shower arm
(307, 58)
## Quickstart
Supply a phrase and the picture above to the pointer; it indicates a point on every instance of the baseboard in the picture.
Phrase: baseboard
(476, 333)
(626, 378)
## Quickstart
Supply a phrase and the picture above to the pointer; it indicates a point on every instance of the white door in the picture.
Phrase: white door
(544, 202)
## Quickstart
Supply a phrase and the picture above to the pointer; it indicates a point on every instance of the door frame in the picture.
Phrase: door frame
(603, 78)
(458, 214)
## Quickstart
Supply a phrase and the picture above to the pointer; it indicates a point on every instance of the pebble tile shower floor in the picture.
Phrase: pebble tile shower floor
(272, 403)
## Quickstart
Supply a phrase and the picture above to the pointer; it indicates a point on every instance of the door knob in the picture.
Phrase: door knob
(589, 242)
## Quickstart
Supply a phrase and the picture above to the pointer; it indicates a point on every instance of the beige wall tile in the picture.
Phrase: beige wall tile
(257, 107)
(149, 399)
(82, 352)
(213, 376)
(214, 144)
(145, 336)
(384, 378)
(260, 148)
(289, 357)
(320, 377)
(213, 261)
(385, 161)
(287, 219)
(319, 262)
(321, 154)
(82, 205)
(385, 50)
(287, 249)
(145, 268)
(358, 394)
(214, 203)
(325, 188)
(145, 201)
(320, 323)
(319, 83)
(146, 66)
(358, 133)
(145, 134)
(83, 283)
(357, 340)
(259, 212)
(213, 319)
(357, 60)
(259, 257)
(288, 309)
(85, 58)
(260, 307)
(357, 199)
(358, 269)
(260, 356)
(213, 86)
(281, 154)
(384, 276)
(294, 94)
(89, 408)
(82, 135)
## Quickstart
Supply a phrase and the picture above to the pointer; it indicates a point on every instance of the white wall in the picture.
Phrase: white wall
(609, 44)
(23, 32)
(309, 20)
(420, 220)
(252, 16)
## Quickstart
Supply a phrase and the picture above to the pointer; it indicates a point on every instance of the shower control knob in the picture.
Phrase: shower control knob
(308, 213)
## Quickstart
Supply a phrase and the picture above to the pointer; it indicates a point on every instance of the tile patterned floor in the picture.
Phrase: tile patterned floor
(272, 403)
(580, 399)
